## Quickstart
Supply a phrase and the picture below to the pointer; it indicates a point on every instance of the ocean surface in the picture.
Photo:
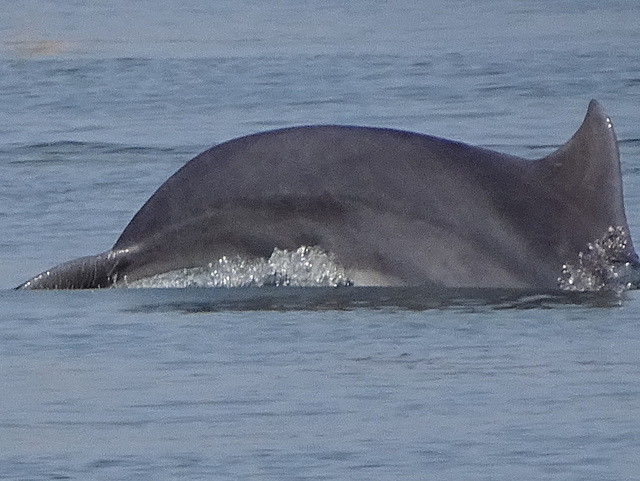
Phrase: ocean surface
(100, 102)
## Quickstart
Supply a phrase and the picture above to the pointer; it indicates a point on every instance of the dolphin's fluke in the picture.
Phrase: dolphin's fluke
(84, 273)
(394, 207)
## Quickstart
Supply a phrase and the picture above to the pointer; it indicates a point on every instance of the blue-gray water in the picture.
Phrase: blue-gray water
(101, 102)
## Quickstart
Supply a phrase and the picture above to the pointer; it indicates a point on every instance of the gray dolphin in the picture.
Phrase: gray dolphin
(394, 207)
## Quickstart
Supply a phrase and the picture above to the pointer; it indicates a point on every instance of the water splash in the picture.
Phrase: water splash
(306, 266)
(602, 267)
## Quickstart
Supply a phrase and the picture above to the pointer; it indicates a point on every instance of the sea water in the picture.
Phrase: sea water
(100, 103)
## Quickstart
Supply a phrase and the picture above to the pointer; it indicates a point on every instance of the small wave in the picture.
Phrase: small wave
(71, 152)
(631, 141)
(601, 268)
(304, 267)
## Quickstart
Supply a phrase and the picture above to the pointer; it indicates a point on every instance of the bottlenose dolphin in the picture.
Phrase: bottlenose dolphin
(394, 207)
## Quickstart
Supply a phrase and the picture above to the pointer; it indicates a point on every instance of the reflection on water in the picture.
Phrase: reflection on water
(368, 298)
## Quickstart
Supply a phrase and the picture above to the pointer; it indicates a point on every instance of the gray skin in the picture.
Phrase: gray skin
(396, 208)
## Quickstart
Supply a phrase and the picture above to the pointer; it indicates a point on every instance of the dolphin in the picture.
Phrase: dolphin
(395, 208)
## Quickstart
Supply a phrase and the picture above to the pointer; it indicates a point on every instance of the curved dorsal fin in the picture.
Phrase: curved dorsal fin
(586, 171)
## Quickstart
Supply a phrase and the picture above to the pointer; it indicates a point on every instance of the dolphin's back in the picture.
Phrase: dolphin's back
(317, 162)
(377, 198)
(394, 207)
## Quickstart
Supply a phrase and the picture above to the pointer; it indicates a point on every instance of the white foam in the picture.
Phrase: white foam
(600, 267)
(306, 266)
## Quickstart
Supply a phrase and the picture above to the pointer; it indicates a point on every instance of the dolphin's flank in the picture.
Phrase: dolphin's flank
(394, 207)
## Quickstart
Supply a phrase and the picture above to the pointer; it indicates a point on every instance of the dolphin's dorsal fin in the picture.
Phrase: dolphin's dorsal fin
(586, 170)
